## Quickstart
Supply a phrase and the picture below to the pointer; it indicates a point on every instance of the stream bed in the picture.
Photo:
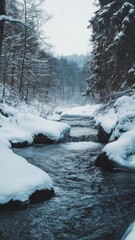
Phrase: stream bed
(89, 204)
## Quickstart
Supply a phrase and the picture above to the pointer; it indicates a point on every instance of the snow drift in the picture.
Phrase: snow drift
(20, 180)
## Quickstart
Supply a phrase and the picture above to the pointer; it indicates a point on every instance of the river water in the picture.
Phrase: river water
(89, 204)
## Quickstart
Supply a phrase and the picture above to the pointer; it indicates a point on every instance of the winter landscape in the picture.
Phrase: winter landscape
(67, 120)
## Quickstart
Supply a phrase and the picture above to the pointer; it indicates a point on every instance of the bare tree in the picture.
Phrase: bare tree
(2, 12)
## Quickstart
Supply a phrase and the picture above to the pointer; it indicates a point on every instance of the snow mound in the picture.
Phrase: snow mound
(122, 151)
(125, 123)
(7, 110)
(34, 125)
(18, 178)
(24, 127)
(107, 121)
(80, 112)
(124, 104)
(115, 116)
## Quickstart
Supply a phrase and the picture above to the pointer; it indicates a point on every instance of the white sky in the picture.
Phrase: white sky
(67, 30)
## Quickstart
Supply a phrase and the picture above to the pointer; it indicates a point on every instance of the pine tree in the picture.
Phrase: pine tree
(113, 64)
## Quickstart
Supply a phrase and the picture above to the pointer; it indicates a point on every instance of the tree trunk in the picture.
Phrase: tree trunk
(2, 12)
(24, 51)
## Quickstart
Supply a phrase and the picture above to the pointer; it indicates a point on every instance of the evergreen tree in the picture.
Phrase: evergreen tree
(113, 64)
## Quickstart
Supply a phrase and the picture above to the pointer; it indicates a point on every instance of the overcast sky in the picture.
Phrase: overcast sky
(67, 30)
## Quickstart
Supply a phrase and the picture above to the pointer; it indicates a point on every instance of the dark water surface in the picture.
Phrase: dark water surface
(89, 204)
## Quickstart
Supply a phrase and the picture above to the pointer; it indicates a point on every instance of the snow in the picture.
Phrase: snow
(120, 120)
(13, 20)
(119, 35)
(80, 145)
(8, 110)
(122, 110)
(80, 112)
(126, 122)
(124, 104)
(20, 127)
(124, 6)
(122, 151)
(54, 117)
(130, 233)
(105, 9)
(107, 120)
(18, 178)
(132, 70)
(35, 124)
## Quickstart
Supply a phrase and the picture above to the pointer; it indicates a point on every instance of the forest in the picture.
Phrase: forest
(28, 66)
(67, 125)
(113, 65)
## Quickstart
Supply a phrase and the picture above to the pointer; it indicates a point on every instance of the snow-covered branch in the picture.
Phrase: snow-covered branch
(13, 20)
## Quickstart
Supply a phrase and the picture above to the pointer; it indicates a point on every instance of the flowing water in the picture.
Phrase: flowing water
(89, 204)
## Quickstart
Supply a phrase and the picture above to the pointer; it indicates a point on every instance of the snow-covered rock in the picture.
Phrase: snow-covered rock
(119, 122)
(18, 178)
(35, 125)
(122, 151)
(24, 128)
(106, 123)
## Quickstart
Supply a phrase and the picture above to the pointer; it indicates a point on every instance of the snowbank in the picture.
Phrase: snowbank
(122, 151)
(119, 121)
(107, 121)
(126, 122)
(18, 178)
(35, 125)
(110, 118)
(124, 104)
(54, 117)
(80, 112)
(130, 233)
(22, 127)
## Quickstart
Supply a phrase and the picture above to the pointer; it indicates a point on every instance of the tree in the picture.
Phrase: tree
(113, 64)
(23, 69)
(2, 12)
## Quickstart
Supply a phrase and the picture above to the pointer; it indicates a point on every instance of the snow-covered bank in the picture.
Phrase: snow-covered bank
(25, 127)
(35, 125)
(20, 181)
(119, 121)
(80, 112)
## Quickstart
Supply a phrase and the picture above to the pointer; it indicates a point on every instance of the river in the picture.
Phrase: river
(89, 204)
